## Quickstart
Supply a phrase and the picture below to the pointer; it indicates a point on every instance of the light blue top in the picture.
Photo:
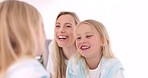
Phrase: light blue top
(26, 68)
(108, 68)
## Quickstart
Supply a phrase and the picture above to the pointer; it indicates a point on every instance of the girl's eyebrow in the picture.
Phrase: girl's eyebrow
(88, 32)
(85, 33)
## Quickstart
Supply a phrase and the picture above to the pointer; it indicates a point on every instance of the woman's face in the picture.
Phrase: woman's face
(88, 41)
(64, 30)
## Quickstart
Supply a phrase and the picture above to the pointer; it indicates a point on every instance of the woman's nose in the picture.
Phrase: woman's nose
(62, 30)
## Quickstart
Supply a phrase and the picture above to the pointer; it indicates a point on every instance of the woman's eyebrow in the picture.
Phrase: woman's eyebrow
(57, 23)
(68, 23)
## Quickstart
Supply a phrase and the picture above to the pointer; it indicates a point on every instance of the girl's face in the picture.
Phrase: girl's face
(64, 30)
(88, 41)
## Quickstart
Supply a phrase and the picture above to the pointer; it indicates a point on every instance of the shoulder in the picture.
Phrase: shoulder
(50, 62)
(73, 63)
(75, 60)
(111, 66)
(76, 68)
(51, 49)
(110, 62)
(50, 46)
(76, 63)
(29, 68)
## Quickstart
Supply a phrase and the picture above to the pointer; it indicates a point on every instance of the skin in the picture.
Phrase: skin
(88, 42)
(64, 34)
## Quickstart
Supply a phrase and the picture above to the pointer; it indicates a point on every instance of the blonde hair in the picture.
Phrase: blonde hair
(58, 56)
(106, 47)
(20, 22)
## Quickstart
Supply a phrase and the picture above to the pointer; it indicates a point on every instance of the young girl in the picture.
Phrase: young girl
(22, 38)
(95, 58)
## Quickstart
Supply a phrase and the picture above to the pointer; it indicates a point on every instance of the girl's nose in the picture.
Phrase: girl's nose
(83, 40)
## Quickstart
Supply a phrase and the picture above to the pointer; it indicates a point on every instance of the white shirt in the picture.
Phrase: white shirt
(95, 73)
(50, 64)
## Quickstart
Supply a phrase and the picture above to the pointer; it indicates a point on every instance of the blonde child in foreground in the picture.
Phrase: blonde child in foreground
(22, 38)
(94, 58)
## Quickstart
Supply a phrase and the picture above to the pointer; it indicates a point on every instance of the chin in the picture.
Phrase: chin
(63, 45)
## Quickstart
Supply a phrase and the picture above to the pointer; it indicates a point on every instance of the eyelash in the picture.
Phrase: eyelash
(89, 36)
(68, 26)
(57, 26)
(78, 38)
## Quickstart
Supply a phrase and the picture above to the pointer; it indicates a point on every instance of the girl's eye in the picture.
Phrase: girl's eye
(78, 38)
(89, 36)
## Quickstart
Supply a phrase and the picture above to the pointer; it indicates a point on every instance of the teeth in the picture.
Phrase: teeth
(62, 37)
(85, 47)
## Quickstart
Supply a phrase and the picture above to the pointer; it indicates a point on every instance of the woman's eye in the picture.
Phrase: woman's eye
(57, 26)
(68, 26)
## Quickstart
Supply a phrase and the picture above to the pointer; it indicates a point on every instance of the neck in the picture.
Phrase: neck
(69, 51)
(94, 61)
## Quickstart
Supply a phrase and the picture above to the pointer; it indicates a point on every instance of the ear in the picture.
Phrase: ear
(101, 42)
(105, 42)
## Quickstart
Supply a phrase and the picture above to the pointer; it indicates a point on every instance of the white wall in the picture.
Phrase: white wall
(125, 20)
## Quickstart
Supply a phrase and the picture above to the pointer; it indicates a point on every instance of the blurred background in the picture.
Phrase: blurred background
(126, 22)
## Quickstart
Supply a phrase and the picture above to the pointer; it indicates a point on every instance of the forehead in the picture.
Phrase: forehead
(82, 28)
(65, 18)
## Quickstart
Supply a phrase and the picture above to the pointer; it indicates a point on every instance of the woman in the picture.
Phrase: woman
(22, 38)
(63, 45)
